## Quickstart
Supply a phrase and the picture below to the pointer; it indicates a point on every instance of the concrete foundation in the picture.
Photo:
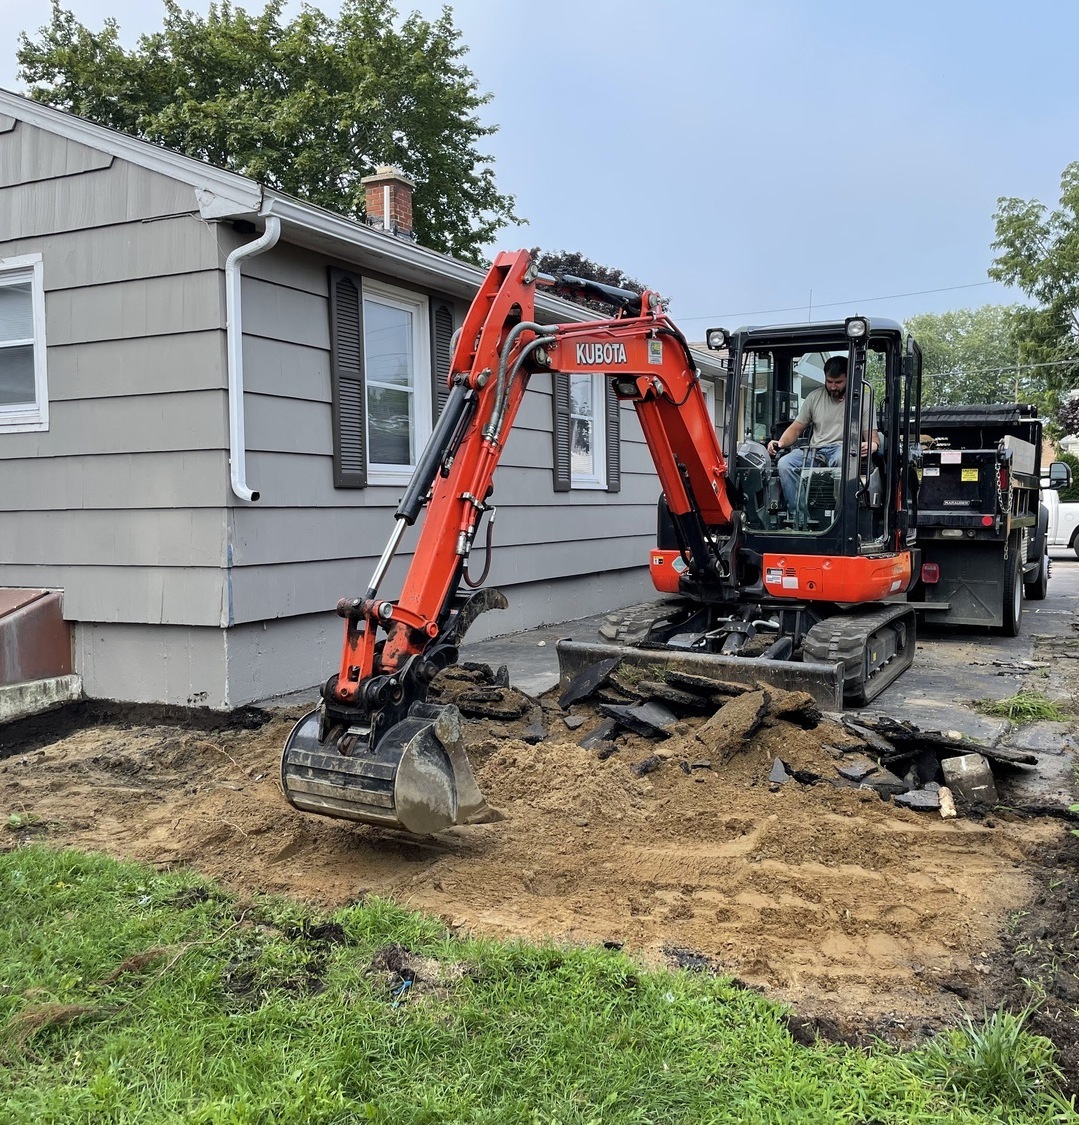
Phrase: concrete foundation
(194, 666)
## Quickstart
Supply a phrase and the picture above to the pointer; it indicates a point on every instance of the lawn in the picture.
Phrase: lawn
(128, 995)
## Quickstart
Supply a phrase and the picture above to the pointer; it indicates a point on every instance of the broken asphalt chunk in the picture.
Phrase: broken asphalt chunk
(797, 707)
(587, 680)
(922, 800)
(702, 685)
(602, 733)
(647, 766)
(884, 782)
(492, 703)
(857, 771)
(688, 700)
(731, 727)
(652, 720)
(535, 731)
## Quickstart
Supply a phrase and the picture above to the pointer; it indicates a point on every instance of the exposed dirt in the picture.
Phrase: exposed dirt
(869, 919)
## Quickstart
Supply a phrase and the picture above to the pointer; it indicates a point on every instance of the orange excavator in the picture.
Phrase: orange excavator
(799, 578)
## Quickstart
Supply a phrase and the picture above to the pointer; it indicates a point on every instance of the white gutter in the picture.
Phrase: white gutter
(235, 340)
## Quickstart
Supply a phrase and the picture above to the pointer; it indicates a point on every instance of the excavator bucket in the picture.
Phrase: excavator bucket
(824, 682)
(416, 778)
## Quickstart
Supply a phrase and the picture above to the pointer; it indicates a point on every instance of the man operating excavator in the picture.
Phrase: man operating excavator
(824, 410)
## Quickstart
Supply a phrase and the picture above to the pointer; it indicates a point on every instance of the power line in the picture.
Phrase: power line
(1010, 369)
(836, 304)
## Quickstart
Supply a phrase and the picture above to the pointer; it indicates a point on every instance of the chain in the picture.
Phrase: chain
(1004, 502)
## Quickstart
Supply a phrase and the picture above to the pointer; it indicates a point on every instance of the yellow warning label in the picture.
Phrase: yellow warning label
(969, 474)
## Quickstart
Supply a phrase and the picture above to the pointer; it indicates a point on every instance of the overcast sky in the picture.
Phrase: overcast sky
(755, 160)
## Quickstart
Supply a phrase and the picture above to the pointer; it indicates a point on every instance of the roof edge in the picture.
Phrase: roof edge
(217, 190)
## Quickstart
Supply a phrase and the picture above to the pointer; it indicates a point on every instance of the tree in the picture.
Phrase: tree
(1068, 415)
(969, 355)
(308, 107)
(1039, 253)
(577, 265)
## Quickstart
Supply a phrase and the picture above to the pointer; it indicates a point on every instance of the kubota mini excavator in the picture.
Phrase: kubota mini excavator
(803, 589)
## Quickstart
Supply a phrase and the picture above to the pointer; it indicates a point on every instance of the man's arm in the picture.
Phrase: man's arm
(789, 436)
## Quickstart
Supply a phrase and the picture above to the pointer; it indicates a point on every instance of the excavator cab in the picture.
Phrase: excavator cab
(836, 494)
(823, 552)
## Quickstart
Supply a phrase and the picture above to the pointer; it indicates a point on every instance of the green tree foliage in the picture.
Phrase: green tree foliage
(969, 355)
(308, 107)
(559, 262)
(1039, 254)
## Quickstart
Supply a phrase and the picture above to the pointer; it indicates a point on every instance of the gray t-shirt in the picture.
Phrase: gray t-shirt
(827, 417)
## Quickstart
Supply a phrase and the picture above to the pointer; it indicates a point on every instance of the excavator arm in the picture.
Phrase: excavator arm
(500, 346)
(374, 750)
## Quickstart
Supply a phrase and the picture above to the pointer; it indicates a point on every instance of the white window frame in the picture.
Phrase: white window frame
(418, 306)
(23, 419)
(598, 479)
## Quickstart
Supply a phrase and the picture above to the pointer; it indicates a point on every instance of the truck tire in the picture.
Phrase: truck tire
(1075, 546)
(1013, 591)
(1037, 586)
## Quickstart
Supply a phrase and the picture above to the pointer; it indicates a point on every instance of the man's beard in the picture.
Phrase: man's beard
(836, 396)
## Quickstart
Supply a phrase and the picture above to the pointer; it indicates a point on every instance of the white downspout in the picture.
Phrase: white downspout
(234, 338)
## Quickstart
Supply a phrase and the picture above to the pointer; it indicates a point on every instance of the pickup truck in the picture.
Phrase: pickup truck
(1063, 527)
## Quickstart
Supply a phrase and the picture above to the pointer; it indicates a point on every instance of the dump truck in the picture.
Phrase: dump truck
(981, 526)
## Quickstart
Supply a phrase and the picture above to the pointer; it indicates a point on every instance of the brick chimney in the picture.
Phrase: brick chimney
(388, 201)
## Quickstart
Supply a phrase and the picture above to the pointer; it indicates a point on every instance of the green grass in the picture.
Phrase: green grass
(1027, 706)
(132, 996)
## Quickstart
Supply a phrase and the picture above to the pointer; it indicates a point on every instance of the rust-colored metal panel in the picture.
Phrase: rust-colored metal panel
(11, 600)
(35, 640)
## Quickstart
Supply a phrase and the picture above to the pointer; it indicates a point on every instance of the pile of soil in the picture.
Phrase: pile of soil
(867, 918)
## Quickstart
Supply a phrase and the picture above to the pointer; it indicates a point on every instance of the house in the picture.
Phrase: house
(211, 395)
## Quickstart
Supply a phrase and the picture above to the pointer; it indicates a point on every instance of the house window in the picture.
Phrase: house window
(587, 465)
(397, 367)
(24, 403)
(586, 434)
(384, 344)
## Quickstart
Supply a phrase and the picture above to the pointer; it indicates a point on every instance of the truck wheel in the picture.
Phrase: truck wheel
(1037, 586)
(1013, 592)
(1075, 546)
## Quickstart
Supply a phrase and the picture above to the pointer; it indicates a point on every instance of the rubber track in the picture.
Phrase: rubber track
(845, 638)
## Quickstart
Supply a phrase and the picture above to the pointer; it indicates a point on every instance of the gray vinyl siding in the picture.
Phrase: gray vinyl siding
(121, 502)
(305, 543)
(112, 482)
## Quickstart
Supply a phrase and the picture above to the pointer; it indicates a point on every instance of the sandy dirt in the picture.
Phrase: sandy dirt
(871, 917)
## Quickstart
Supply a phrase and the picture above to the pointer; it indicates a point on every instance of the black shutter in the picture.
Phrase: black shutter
(614, 438)
(346, 380)
(560, 396)
(442, 317)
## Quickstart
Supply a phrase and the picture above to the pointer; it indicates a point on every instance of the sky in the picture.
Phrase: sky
(755, 161)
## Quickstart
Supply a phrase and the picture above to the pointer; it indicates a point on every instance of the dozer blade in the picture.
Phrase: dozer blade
(416, 778)
(824, 682)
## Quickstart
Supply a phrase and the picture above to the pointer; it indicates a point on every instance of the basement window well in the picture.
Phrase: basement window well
(24, 403)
